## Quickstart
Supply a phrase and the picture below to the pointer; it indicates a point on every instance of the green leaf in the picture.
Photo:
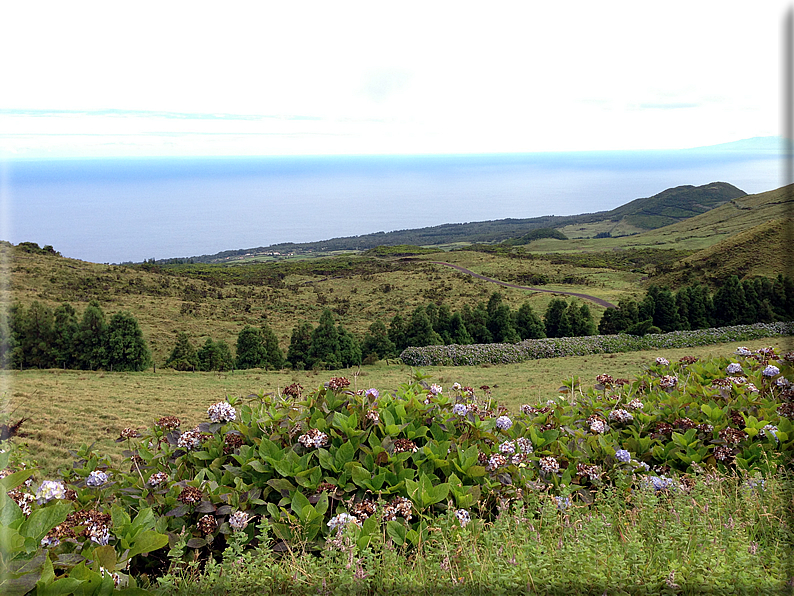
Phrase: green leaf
(14, 479)
(45, 519)
(11, 541)
(61, 587)
(146, 542)
(106, 555)
(361, 475)
(396, 531)
(344, 454)
(10, 513)
(299, 503)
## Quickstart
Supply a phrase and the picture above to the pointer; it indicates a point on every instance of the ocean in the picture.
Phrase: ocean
(119, 210)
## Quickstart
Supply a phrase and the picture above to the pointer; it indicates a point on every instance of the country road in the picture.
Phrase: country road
(603, 303)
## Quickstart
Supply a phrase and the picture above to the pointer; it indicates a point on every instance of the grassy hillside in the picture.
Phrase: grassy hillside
(218, 301)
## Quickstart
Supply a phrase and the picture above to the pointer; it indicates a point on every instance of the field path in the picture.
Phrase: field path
(504, 283)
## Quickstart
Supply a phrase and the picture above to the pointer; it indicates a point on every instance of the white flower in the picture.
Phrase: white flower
(503, 423)
(239, 520)
(620, 415)
(339, 522)
(524, 445)
(463, 517)
(222, 412)
(96, 478)
(50, 489)
(313, 438)
(597, 426)
(743, 351)
(662, 361)
(734, 367)
(157, 479)
(634, 404)
(456, 386)
(190, 439)
(435, 389)
(549, 464)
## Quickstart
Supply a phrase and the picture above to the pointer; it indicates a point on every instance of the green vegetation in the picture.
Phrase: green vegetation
(300, 475)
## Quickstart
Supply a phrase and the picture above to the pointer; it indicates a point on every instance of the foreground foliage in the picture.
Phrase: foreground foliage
(375, 475)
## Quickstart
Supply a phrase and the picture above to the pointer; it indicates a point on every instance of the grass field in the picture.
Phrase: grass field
(67, 408)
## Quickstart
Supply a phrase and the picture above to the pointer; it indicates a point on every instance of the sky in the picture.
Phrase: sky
(83, 79)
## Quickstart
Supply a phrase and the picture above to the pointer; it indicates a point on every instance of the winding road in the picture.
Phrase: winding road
(603, 303)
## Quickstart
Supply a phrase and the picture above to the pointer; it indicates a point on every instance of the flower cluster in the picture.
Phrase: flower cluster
(337, 383)
(592, 471)
(562, 502)
(463, 517)
(169, 422)
(363, 509)
(460, 409)
(771, 371)
(207, 524)
(401, 445)
(503, 423)
(130, 433)
(96, 523)
(596, 424)
(372, 393)
(659, 483)
(634, 404)
(524, 445)
(232, 441)
(96, 478)
(190, 495)
(771, 429)
(24, 500)
(294, 390)
(222, 412)
(734, 367)
(622, 455)
(399, 506)
(313, 439)
(373, 416)
(496, 461)
(620, 415)
(435, 389)
(50, 489)
(157, 479)
(662, 361)
(239, 520)
(339, 522)
(190, 439)
(549, 465)
(668, 381)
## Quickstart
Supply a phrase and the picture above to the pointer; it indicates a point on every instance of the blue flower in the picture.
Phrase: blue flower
(96, 478)
(622, 455)
(503, 423)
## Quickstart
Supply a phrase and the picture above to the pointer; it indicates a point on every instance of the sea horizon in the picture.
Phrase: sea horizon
(132, 209)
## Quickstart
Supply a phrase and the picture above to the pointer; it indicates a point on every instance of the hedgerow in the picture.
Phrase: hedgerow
(559, 347)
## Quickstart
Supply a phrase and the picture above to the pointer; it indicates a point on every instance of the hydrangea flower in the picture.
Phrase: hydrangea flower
(659, 483)
(372, 393)
(339, 522)
(503, 423)
(313, 438)
(460, 409)
(50, 541)
(635, 404)
(524, 445)
(782, 382)
(157, 479)
(668, 381)
(771, 371)
(771, 429)
(734, 367)
(508, 448)
(50, 489)
(549, 464)
(620, 415)
(189, 440)
(456, 386)
(96, 478)
(743, 351)
(622, 455)
(222, 412)
(662, 361)
(562, 502)
(239, 520)
(463, 517)
(435, 389)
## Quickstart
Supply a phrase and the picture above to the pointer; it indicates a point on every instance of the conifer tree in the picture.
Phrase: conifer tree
(183, 355)
(275, 357)
(528, 324)
(92, 338)
(377, 341)
(556, 319)
(398, 333)
(215, 356)
(65, 331)
(458, 334)
(420, 331)
(730, 303)
(349, 348)
(299, 345)
(580, 319)
(251, 352)
(325, 342)
(127, 349)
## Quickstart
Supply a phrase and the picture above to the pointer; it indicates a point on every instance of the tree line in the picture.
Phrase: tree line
(40, 337)
(758, 300)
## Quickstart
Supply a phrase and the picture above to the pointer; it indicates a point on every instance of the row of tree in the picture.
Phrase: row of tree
(759, 300)
(38, 337)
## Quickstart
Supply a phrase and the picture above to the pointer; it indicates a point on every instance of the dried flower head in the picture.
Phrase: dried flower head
(231, 442)
(596, 423)
(401, 445)
(524, 445)
(337, 383)
(190, 439)
(605, 379)
(207, 524)
(635, 404)
(190, 495)
(724, 454)
(157, 479)
(239, 520)
(294, 390)
(668, 381)
(363, 509)
(24, 500)
(549, 465)
(169, 422)
(620, 415)
(688, 360)
(130, 433)
(592, 471)
(732, 435)
(497, 460)
(662, 361)
(398, 507)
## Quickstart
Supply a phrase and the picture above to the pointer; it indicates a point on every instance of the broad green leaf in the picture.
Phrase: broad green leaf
(360, 475)
(45, 519)
(299, 503)
(147, 541)
(14, 479)
(396, 531)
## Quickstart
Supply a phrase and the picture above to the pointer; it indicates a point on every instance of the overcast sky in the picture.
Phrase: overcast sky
(193, 78)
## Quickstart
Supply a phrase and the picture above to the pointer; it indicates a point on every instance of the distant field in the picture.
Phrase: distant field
(67, 408)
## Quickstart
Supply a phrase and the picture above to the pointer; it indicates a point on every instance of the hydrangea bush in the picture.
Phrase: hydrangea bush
(559, 347)
(279, 471)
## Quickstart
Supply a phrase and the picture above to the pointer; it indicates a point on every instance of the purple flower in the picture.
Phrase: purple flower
(374, 393)
(96, 478)
(460, 409)
(622, 455)
(734, 367)
(503, 423)
(771, 371)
